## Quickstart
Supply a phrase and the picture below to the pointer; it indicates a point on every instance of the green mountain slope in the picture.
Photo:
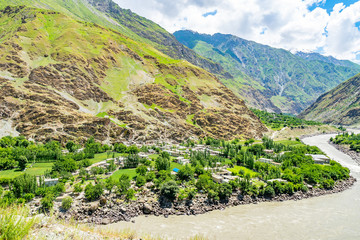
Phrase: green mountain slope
(64, 78)
(108, 14)
(291, 82)
(340, 106)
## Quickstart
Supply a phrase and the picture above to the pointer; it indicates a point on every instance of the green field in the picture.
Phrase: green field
(236, 170)
(131, 172)
(37, 169)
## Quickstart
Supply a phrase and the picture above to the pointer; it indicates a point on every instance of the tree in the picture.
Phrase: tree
(93, 192)
(131, 161)
(124, 183)
(120, 148)
(133, 149)
(23, 184)
(110, 183)
(140, 181)
(169, 189)
(185, 173)
(162, 164)
(71, 146)
(269, 191)
(22, 162)
(225, 191)
(141, 170)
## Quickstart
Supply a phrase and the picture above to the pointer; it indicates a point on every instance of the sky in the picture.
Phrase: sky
(328, 27)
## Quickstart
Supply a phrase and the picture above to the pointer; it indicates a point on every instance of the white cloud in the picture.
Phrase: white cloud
(278, 23)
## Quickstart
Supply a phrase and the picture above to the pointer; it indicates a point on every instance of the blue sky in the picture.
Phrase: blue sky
(325, 26)
(329, 5)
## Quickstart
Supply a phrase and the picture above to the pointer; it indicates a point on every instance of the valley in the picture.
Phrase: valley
(113, 127)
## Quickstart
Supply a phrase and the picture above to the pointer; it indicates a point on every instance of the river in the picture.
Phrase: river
(335, 216)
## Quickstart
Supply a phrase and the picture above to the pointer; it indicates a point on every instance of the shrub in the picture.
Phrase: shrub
(66, 203)
(78, 188)
(93, 192)
(169, 190)
(47, 202)
(15, 222)
(130, 193)
(29, 196)
(150, 176)
(140, 181)
(225, 191)
(269, 191)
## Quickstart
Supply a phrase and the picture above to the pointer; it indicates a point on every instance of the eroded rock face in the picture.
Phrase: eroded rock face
(55, 88)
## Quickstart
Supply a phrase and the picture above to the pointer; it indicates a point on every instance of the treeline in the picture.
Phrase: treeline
(348, 139)
(279, 120)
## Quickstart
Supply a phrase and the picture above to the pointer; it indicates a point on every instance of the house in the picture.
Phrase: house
(268, 151)
(65, 151)
(143, 155)
(269, 161)
(319, 158)
(51, 182)
(216, 178)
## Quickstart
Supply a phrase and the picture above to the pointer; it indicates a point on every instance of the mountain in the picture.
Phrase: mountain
(327, 59)
(340, 106)
(63, 78)
(106, 13)
(291, 82)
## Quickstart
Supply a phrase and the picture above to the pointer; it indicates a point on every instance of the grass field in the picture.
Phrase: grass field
(290, 142)
(36, 170)
(236, 170)
(101, 157)
(131, 172)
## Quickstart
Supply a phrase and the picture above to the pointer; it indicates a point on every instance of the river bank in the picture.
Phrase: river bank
(114, 210)
(346, 149)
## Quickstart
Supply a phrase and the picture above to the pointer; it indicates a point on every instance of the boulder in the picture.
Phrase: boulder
(147, 209)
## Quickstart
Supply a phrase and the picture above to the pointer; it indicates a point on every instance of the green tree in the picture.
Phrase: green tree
(162, 164)
(140, 181)
(225, 191)
(185, 173)
(169, 189)
(141, 170)
(93, 192)
(22, 162)
(71, 146)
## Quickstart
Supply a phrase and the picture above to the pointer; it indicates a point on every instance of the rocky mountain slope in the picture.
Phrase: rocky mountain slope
(291, 82)
(340, 106)
(108, 14)
(64, 78)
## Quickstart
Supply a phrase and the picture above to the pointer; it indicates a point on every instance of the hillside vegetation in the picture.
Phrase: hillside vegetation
(340, 106)
(278, 120)
(269, 78)
(63, 78)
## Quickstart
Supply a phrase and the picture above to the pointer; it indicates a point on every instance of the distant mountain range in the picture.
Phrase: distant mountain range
(269, 78)
(339, 106)
(81, 68)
